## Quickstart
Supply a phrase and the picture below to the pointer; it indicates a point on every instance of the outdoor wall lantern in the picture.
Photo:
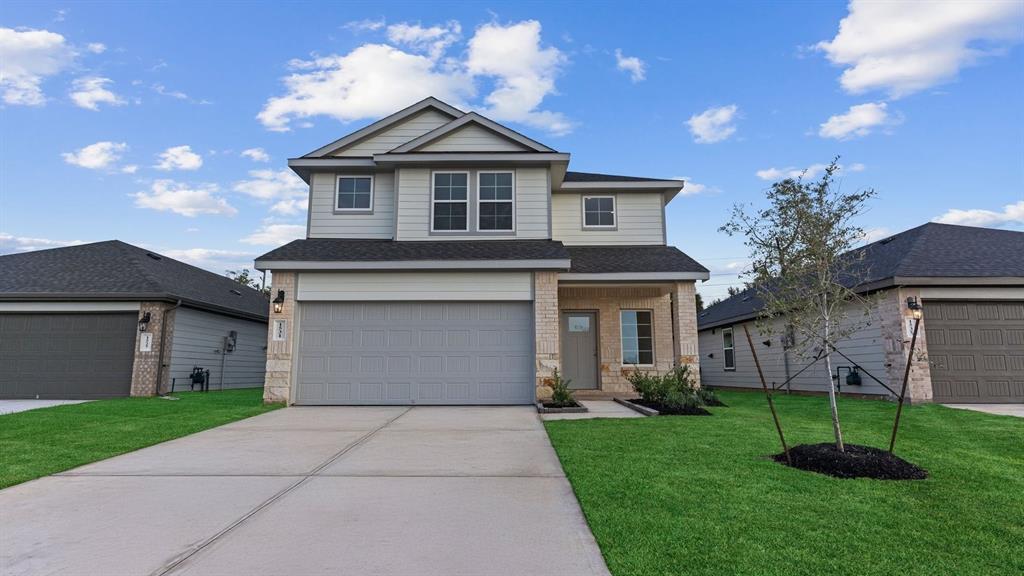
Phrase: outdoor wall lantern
(144, 321)
(914, 306)
(279, 302)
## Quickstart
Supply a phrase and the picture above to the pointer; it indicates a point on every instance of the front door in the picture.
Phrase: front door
(579, 349)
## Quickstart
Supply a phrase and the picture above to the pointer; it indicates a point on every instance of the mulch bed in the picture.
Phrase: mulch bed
(716, 402)
(857, 462)
(666, 411)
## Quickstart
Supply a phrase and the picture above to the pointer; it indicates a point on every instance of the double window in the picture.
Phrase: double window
(450, 196)
(599, 211)
(729, 349)
(355, 194)
(494, 198)
(637, 337)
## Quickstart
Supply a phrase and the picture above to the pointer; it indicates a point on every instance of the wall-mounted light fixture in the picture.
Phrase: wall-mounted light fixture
(144, 321)
(279, 302)
(767, 343)
(914, 306)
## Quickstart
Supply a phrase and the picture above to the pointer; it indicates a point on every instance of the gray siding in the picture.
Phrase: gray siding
(395, 136)
(325, 223)
(473, 138)
(866, 347)
(531, 205)
(638, 218)
(197, 341)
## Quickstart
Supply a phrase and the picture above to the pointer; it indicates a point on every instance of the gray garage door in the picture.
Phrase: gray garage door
(976, 350)
(66, 355)
(415, 353)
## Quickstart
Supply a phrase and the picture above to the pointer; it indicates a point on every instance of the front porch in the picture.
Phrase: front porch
(597, 334)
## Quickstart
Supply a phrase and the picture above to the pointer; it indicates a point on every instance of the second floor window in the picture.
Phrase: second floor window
(450, 201)
(355, 193)
(495, 200)
(598, 211)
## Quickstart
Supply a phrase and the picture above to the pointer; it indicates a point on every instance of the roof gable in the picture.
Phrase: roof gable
(418, 119)
(479, 128)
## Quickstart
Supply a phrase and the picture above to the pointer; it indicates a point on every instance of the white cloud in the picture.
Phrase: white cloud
(283, 187)
(96, 47)
(179, 158)
(212, 259)
(713, 124)
(859, 120)
(810, 172)
(374, 80)
(906, 46)
(275, 234)
(256, 154)
(91, 91)
(365, 25)
(1011, 214)
(636, 67)
(98, 156)
(130, 169)
(10, 243)
(874, 234)
(433, 40)
(524, 74)
(692, 188)
(187, 200)
(27, 57)
(856, 167)
(163, 91)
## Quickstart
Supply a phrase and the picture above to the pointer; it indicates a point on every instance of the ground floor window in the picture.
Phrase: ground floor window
(637, 337)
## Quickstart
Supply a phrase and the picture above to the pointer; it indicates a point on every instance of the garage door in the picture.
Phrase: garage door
(976, 350)
(415, 353)
(66, 355)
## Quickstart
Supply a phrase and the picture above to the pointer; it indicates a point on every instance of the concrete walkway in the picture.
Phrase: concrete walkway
(12, 406)
(1001, 409)
(452, 491)
(596, 409)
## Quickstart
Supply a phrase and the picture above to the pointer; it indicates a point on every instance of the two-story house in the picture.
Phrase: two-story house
(451, 260)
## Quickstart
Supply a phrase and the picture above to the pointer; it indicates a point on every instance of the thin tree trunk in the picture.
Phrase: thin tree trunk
(836, 429)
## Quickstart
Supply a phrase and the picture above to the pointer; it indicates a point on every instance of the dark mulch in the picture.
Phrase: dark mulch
(857, 462)
(667, 411)
(716, 402)
(572, 404)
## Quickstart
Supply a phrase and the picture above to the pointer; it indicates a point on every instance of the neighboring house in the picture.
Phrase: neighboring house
(451, 260)
(109, 319)
(970, 347)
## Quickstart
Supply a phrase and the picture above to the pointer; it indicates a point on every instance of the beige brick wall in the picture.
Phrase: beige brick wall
(893, 310)
(608, 302)
(146, 368)
(545, 311)
(278, 383)
(684, 297)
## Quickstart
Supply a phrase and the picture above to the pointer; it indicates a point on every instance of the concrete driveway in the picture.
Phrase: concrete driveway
(427, 490)
(12, 406)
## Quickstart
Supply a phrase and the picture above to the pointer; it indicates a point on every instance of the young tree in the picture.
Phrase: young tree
(803, 266)
(245, 278)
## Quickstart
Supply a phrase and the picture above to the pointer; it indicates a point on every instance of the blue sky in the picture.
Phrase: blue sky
(130, 121)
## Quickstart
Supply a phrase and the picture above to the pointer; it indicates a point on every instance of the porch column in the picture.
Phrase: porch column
(545, 315)
(277, 384)
(684, 326)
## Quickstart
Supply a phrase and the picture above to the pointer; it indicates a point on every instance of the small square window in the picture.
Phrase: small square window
(598, 211)
(579, 323)
(355, 193)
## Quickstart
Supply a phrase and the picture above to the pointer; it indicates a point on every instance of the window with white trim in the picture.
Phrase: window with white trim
(637, 337)
(599, 211)
(355, 193)
(450, 201)
(729, 348)
(494, 201)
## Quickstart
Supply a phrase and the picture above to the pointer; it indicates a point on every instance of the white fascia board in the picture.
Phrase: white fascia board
(69, 306)
(547, 264)
(435, 157)
(304, 167)
(635, 276)
(675, 185)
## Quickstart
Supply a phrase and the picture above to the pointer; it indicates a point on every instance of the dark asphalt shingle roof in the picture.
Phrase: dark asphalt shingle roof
(593, 177)
(610, 259)
(112, 269)
(338, 249)
(929, 251)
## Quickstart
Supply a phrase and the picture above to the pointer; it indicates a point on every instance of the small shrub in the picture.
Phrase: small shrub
(676, 389)
(561, 395)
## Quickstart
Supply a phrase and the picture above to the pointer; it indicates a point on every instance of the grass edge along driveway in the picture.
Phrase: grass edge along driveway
(41, 442)
(696, 495)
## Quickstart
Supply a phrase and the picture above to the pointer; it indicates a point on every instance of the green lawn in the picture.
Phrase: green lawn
(41, 442)
(696, 495)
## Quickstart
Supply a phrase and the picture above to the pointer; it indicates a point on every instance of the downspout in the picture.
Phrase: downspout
(163, 334)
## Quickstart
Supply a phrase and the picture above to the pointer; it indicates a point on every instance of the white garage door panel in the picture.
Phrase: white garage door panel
(420, 286)
(415, 353)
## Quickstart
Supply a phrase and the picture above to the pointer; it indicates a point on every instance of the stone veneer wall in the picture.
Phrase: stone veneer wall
(546, 331)
(146, 369)
(608, 302)
(278, 383)
(893, 310)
